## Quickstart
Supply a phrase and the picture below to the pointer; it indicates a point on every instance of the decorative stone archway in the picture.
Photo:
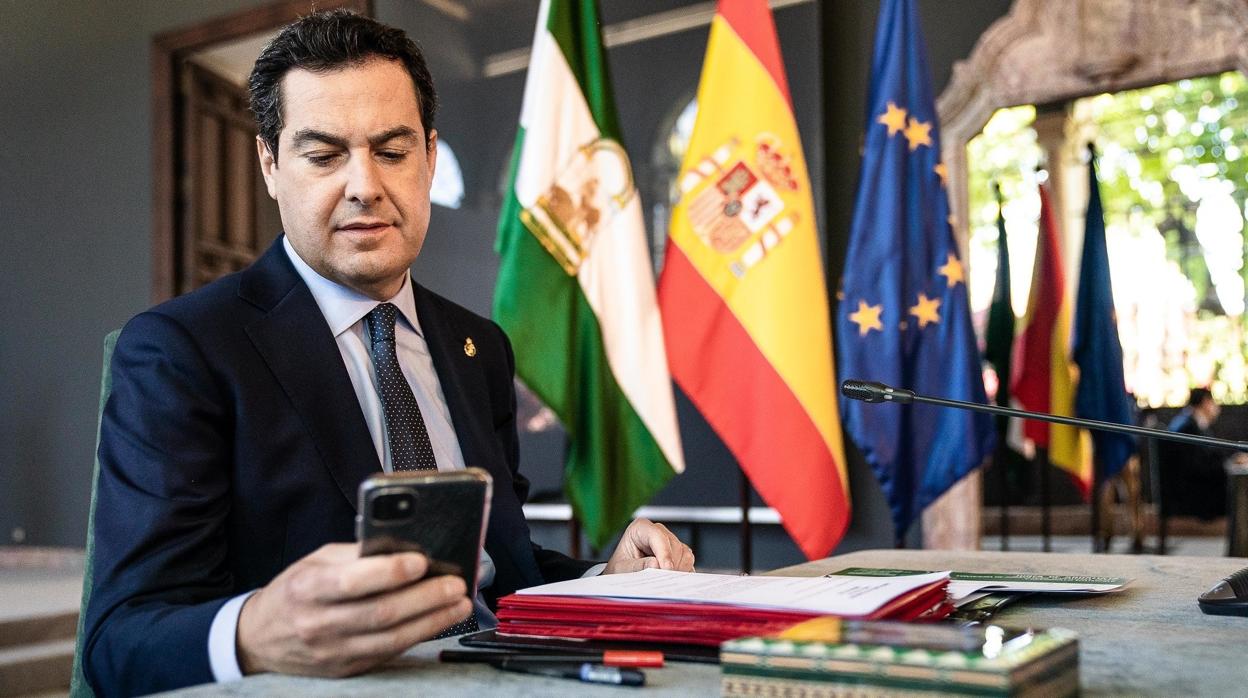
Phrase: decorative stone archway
(1050, 52)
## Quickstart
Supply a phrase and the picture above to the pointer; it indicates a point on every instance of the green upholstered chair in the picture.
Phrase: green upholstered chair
(78, 686)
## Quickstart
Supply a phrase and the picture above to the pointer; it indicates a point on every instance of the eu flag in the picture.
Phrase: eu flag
(1102, 392)
(903, 318)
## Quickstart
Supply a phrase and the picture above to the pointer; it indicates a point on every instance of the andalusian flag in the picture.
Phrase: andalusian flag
(999, 336)
(744, 303)
(575, 289)
(1041, 380)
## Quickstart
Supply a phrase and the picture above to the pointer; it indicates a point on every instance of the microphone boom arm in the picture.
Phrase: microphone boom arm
(869, 391)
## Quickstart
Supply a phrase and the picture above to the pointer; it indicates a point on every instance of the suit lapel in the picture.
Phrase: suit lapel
(462, 381)
(296, 343)
(467, 396)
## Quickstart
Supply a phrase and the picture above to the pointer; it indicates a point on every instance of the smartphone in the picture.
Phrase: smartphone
(440, 515)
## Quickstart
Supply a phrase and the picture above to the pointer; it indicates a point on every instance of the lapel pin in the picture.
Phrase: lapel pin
(470, 349)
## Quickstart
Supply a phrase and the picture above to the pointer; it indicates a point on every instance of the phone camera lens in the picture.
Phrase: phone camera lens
(394, 507)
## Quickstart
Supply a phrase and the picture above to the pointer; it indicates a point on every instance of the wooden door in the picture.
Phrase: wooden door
(227, 218)
(210, 212)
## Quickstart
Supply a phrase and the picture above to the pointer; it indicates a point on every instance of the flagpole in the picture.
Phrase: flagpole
(1042, 460)
(1001, 463)
(1096, 506)
(574, 535)
(747, 533)
(1097, 547)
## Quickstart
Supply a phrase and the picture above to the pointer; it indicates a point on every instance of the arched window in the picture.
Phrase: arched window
(448, 179)
(665, 160)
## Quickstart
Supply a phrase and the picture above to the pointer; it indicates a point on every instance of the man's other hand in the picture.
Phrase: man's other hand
(334, 613)
(646, 544)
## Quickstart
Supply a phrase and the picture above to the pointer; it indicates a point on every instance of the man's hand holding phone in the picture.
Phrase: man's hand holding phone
(335, 613)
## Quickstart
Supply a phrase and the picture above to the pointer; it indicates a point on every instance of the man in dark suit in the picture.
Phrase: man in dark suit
(244, 415)
(1193, 477)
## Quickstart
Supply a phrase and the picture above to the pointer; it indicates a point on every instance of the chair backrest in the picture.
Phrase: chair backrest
(78, 686)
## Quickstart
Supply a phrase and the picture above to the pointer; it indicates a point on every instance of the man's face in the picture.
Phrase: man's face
(352, 174)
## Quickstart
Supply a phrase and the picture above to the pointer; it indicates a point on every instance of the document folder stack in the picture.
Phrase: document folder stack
(707, 609)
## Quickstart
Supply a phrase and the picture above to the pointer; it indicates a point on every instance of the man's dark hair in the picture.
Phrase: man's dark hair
(327, 41)
(1198, 396)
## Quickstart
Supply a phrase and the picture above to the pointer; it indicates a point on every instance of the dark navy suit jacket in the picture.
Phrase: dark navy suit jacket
(233, 444)
(1193, 478)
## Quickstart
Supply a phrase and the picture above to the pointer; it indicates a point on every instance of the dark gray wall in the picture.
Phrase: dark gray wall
(75, 209)
(75, 235)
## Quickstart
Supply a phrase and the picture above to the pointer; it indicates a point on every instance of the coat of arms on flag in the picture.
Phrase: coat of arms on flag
(590, 190)
(734, 197)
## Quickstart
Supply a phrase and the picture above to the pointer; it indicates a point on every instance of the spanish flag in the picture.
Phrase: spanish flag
(742, 292)
(1041, 379)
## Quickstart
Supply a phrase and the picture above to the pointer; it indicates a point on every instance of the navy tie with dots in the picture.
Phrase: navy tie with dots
(410, 448)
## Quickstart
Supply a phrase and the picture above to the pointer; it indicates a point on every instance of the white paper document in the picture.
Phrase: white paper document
(842, 595)
(1048, 584)
(964, 584)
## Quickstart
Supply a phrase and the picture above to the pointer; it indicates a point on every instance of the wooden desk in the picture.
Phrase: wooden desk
(1150, 639)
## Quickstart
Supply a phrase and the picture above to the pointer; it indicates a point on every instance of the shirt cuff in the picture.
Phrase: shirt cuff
(595, 570)
(222, 640)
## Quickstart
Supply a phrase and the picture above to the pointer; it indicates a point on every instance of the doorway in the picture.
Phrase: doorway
(211, 214)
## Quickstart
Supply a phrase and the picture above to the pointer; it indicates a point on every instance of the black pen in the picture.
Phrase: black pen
(589, 673)
(633, 659)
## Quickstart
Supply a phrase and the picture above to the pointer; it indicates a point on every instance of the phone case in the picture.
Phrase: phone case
(441, 515)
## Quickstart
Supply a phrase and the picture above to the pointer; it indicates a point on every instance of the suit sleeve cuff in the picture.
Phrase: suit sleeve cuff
(595, 570)
(222, 636)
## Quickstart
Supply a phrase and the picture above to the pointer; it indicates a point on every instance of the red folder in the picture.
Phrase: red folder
(593, 618)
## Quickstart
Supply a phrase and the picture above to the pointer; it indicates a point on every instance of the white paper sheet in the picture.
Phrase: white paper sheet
(962, 584)
(841, 595)
(960, 588)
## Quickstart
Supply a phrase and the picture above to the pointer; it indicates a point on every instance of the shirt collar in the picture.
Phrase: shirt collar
(344, 307)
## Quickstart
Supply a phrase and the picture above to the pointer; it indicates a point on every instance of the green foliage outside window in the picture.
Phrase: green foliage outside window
(1174, 181)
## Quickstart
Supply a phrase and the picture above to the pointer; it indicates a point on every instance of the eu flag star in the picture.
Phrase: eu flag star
(894, 117)
(942, 172)
(952, 271)
(867, 317)
(927, 311)
(918, 133)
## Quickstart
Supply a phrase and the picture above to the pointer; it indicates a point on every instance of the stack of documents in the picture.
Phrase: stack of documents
(707, 609)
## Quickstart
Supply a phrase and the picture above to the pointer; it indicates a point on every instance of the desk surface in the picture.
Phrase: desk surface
(1150, 639)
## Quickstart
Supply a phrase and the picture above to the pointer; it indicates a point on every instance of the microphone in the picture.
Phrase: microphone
(871, 391)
